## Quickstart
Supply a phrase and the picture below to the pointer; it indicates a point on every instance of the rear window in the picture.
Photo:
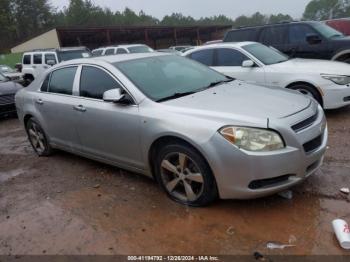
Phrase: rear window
(74, 54)
(97, 52)
(27, 59)
(140, 49)
(241, 35)
(109, 51)
(62, 80)
(273, 35)
(205, 57)
(49, 57)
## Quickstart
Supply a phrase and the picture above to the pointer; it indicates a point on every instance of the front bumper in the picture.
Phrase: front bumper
(336, 96)
(241, 175)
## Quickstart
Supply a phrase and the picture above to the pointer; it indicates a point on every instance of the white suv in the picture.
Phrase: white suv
(121, 49)
(38, 61)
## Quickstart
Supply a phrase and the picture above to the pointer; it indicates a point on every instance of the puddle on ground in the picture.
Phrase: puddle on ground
(5, 176)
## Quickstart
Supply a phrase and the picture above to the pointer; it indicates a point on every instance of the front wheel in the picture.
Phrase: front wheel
(37, 138)
(185, 175)
(309, 91)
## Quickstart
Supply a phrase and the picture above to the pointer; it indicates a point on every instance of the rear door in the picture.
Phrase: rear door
(229, 61)
(38, 64)
(275, 36)
(107, 130)
(56, 102)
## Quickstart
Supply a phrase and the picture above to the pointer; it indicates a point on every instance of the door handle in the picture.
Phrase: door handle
(46, 67)
(39, 101)
(79, 108)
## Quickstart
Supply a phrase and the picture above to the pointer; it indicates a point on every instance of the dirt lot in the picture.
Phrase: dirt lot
(66, 204)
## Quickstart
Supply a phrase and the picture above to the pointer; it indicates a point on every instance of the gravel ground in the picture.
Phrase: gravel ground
(66, 204)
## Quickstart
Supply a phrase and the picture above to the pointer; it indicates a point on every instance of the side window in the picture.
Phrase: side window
(298, 33)
(49, 57)
(229, 57)
(27, 59)
(205, 57)
(241, 35)
(273, 35)
(109, 51)
(38, 59)
(121, 51)
(45, 85)
(97, 52)
(94, 82)
(62, 80)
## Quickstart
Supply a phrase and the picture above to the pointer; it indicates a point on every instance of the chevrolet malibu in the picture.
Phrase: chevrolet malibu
(199, 134)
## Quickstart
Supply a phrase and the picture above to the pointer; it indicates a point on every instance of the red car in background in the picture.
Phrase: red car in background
(342, 25)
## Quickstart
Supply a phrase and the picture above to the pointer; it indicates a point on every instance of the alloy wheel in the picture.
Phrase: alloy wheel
(36, 138)
(182, 177)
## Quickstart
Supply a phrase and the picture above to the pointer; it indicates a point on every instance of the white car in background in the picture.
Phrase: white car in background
(121, 49)
(326, 81)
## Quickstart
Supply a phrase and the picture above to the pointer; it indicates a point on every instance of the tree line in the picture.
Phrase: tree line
(22, 19)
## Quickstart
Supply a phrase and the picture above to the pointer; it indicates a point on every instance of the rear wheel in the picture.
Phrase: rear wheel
(308, 91)
(185, 175)
(27, 80)
(37, 138)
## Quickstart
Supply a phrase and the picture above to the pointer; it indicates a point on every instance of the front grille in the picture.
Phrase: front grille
(305, 123)
(313, 144)
(7, 99)
(257, 184)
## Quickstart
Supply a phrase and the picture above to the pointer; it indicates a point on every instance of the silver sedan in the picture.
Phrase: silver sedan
(198, 133)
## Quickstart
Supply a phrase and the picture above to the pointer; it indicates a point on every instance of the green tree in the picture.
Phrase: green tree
(7, 28)
(327, 9)
(31, 17)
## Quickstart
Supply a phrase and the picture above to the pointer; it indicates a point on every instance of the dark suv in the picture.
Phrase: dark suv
(298, 39)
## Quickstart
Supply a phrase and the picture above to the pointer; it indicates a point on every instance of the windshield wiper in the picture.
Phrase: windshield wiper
(216, 83)
(174, 96)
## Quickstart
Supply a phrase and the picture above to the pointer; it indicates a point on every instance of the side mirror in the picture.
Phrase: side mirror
(113, 95)
(51, 62)
(313, 39)
(248, 63)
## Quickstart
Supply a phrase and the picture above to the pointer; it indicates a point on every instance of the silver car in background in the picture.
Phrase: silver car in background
(198, 133)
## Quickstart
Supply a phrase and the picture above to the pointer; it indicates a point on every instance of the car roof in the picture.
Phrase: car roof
(112, 59)
(218, 45)
(275, 24)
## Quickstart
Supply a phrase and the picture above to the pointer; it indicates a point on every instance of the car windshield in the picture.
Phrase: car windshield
(2, 78)
(140, 49)
(169, 76)
(73, 54)
(266, 55)
(326, 31)
(6, 69)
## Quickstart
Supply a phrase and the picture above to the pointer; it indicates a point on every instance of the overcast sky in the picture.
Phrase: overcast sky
(199, 8)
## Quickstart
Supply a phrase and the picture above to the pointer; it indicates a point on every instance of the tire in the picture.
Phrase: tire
(309, 91)
(185, 175)
(28, 79)
(38, 138)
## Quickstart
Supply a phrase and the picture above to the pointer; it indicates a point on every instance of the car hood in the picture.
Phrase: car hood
(238, 100)
(9, 88)
(299, 65)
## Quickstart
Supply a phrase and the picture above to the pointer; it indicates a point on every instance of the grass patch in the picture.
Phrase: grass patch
(11, 59)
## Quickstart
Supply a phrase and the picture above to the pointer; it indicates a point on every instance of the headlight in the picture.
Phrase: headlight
(252, 139)
(338, 79)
